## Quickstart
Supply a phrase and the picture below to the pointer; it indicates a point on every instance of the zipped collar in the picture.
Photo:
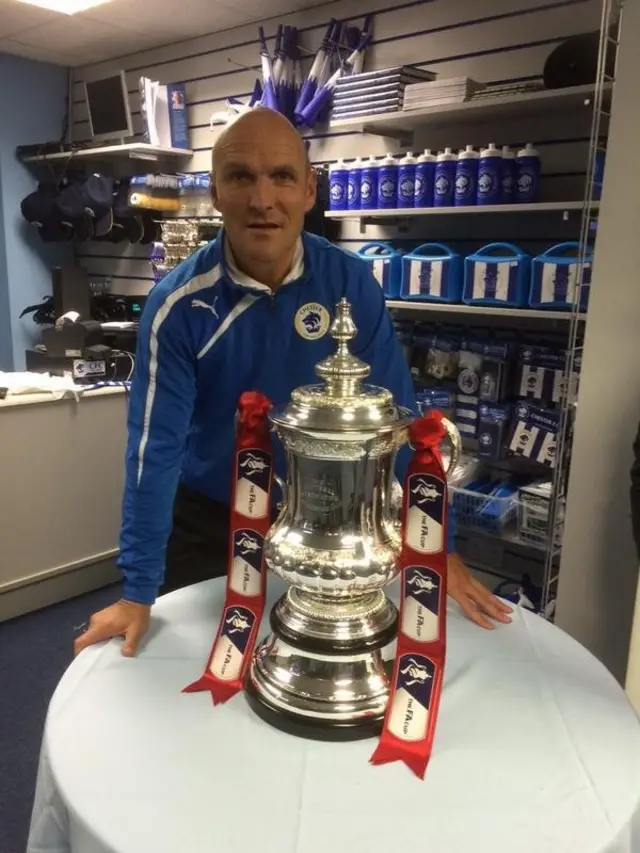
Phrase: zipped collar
(238, 277)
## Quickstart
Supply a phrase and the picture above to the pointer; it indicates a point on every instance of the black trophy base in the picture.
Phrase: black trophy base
(310, 728)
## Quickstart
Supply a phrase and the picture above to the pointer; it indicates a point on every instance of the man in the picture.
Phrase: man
(250, 311)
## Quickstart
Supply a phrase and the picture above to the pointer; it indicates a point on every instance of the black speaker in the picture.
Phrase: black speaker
(71, 291)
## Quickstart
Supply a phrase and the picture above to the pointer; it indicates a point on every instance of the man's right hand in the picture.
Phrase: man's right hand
(122, 619)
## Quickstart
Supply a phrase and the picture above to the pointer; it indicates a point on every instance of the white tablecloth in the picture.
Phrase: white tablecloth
(537, 750)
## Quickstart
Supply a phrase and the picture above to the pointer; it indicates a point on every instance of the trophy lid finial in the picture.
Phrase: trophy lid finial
(343, 403)
(342, 371)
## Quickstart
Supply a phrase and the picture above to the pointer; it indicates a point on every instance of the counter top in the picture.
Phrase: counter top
(59, 396)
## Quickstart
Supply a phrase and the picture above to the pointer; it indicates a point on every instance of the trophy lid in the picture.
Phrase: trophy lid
(342, 403)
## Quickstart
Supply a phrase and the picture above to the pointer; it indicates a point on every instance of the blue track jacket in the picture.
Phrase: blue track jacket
(205, 338)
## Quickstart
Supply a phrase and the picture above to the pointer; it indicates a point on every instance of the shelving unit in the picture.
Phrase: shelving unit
(541, 106)
(131, 151)
(401, 213)
(480, 310)
(531, 104)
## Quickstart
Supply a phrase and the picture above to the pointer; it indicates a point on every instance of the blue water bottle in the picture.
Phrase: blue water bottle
(387, 183)
(527, 175)
(508, 184)
(353, 184)
(407, 181)
(369, 184)
(425, 175)
(490, 176)
(338, 184)
(466, 178)
(445, 178)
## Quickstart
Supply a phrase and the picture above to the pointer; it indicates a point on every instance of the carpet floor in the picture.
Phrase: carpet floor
(35, 650)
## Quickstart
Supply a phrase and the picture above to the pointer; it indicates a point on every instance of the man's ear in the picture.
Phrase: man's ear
(214, 190)
(312, 189)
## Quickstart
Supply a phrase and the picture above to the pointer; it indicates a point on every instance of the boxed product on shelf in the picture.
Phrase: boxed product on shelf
(466, 415)
(494, 380)
(484, 365)
(497, 274)
(493, 424)
(443, 355)
(436, 399)
(488, 503)
(534, 433)
(432, 273)
(386, 266)
(541, 374)
(163, 109)
(534, 507)
(560, 278)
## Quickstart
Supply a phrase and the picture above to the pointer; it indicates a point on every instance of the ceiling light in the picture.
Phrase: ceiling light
(65, 7)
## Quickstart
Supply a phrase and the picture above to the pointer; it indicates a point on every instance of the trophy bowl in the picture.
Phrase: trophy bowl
(320, 673)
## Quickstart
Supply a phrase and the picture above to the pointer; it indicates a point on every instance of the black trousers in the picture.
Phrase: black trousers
(199, 540)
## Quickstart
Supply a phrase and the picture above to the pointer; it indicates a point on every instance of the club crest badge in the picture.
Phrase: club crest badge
(312, 321)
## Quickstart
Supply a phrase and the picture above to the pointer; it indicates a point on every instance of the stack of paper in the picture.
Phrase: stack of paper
(455, 90)
(375, 92)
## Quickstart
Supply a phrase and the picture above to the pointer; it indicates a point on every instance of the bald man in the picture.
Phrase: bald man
(249, 311)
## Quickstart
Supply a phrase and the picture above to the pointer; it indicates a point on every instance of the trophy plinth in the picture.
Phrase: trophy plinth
(320, 672)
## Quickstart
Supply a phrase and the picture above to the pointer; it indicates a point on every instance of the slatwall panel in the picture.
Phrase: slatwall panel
(490, 40)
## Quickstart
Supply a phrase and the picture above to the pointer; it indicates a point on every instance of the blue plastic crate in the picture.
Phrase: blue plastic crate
(560, 278)
(432, 273)
(479, 511)
(386, 266)
(498, 275)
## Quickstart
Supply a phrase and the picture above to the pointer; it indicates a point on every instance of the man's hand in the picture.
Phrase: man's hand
(122, 619)
(475, 600)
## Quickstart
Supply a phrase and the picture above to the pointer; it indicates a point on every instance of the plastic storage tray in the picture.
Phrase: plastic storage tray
(432, 273)
(498, 275)
(386, 266)
(555, 281)
(481, 512)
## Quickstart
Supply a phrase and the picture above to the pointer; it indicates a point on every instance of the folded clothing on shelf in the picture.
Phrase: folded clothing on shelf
(447, 91)
(375, 92)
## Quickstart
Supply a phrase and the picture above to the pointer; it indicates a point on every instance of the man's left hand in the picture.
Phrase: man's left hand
(476, 601)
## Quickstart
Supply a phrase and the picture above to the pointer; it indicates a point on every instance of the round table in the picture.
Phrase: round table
(537, 750)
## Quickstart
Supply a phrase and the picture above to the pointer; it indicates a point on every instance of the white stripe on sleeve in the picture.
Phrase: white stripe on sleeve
(195, 285)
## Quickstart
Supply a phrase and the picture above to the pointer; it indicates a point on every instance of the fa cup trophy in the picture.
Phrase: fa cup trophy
(337, 541)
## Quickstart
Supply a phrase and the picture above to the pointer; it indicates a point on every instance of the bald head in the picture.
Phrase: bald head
(255, 128)
(263, 186)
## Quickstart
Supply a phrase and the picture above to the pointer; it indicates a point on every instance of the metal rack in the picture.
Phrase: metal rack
(611, 21)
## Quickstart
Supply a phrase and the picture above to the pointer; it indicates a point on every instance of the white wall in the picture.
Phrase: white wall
(491, 40)
(599, 568)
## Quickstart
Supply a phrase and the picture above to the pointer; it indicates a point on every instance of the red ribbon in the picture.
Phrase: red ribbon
(233, 646)
(412, 711)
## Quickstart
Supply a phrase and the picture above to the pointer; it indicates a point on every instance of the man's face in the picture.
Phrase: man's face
(263, 187)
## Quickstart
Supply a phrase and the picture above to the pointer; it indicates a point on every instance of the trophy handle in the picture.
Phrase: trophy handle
(281, 505)
(450, 462)
(455, 440)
